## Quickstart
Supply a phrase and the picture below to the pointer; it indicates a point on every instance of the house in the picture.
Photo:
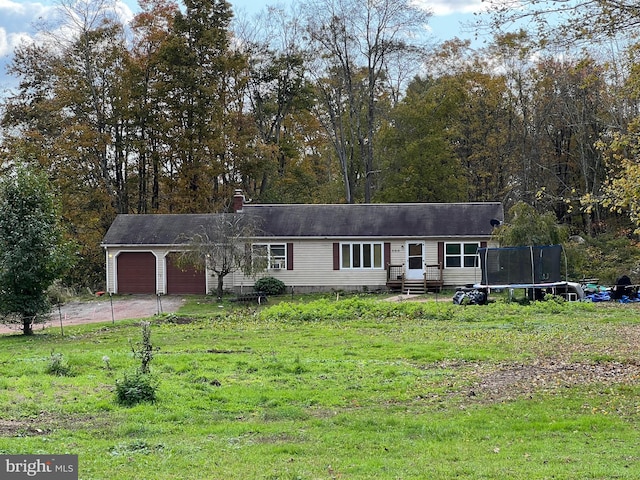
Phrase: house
(400, 246)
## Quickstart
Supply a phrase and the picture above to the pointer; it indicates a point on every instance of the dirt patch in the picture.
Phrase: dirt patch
(518, 380)
(15, 428)
(432, 297)
(105, 310)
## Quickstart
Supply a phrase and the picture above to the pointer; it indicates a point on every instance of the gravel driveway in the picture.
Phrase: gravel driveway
(105, 310)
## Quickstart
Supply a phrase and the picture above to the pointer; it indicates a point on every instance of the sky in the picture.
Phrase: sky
(17, 19)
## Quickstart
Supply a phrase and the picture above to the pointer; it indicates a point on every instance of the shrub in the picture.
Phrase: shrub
(144, 349)
(270, 286)
(59, 294)
(58, 366)
(354, 308)
(136, 388)
(139, 386)
(605, 258)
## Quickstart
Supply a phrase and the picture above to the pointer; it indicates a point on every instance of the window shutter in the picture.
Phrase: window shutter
(441, 254)
(387, 254)
(289, 256)
(336, 256)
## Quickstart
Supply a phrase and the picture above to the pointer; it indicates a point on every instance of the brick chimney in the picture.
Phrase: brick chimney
(238, 200)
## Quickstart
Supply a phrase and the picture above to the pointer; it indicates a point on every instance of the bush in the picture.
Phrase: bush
(58, 366)
(606, 258)
(136, 388)
(270, 286)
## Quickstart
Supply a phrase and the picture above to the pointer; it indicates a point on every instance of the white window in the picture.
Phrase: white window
(360, 255)
(273, 256)
(461, 255)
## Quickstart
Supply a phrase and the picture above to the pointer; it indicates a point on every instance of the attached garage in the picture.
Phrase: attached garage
(136, 272)
(181, 281)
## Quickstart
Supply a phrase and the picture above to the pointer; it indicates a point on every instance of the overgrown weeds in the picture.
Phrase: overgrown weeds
(136, 387)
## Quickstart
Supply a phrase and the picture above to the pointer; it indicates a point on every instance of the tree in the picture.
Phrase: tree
(201, 79)
(70, 117)
(526, 227)
(567, 22)
(622, 189)
(151, 28)
(33, 252)
(357, 45)
(222, 246)
(569, 114)
(278, 95)
(620, 147)
(481, 123)
(418, 162)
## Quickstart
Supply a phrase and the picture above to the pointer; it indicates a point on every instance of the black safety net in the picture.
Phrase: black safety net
(521, 265)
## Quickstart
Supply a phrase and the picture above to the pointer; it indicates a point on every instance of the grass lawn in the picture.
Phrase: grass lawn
(349, 388)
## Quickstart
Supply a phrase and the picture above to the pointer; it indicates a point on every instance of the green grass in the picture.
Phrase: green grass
(353, 389)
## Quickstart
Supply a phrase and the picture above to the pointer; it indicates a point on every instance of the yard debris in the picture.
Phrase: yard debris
(470, 297)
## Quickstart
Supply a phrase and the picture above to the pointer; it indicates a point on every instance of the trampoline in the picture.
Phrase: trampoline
(536, 269)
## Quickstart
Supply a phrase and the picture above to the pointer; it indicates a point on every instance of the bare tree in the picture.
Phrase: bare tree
(357, 46)
(223, 246)
(566, 22)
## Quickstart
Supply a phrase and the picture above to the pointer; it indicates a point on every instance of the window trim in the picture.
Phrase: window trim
(271, 261)
(462, 256)
(361, 250)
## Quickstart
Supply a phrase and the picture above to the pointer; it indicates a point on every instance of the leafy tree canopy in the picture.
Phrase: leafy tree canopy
(33, 252)
(528, 227)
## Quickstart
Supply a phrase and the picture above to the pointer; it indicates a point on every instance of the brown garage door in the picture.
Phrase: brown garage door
(136, 272)
(184, 280)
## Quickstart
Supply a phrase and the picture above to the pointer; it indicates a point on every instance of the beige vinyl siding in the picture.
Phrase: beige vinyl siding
(460, 276)
(313, 267)
(110, 267)
(457, 277)
(452, 277)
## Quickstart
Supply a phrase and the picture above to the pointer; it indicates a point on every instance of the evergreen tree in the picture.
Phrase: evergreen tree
(33, 252)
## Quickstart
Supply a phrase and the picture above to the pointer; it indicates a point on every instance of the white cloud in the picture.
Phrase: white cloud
(18, 20)
(449, 7)
(123, 11)
(15, 16)
(17, 23)
(10, 40)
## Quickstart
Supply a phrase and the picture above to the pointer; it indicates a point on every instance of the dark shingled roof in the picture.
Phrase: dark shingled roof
(359, 220)
(378, 220)
(152, 229)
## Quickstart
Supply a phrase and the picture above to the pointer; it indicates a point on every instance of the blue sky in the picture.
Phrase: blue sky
(448, 15)
(17, 18)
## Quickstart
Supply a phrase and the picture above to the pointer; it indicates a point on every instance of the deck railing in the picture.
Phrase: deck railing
(395, 276)
(432, 278)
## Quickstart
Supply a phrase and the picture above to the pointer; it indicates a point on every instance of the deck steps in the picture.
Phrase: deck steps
(413, 287)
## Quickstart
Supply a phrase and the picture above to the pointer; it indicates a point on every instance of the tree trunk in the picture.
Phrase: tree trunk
(220, 290)
(26, 326)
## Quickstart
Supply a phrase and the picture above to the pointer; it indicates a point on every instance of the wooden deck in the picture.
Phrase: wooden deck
(432, 281)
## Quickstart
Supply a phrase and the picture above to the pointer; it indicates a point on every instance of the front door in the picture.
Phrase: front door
(415, 260)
